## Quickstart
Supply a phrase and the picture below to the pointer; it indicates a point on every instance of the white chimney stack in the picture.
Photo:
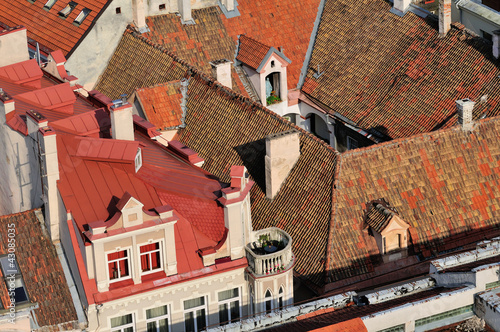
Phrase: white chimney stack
(50, 176)
(496, 44)
(221, 70)
(122, 122)
(282, 152)
(13, 46)
(34, 122)
(185, 10)
(400, 7)
(7, 104)
(464, 111)
(138, 13)
(444, 17)
(229, 4)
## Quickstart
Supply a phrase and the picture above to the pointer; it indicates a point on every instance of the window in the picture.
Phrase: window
(162, 6)
(269, 301)
(150, 257)
(280, 297)
(351, 143)
(123, 323)
(138, 160)
(157, 319)
(83, 14)
(252, 310)
(13, 279)
(493, 284)
(67, 10)
(118, 10)
(487, 36)
(444, 315)
(384, 248)
(195, 314)
(48, 5)
(229, 306)
(119, 265)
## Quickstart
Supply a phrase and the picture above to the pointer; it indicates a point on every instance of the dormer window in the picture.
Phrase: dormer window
(83, 14)
(48, 5)
(67, 10)
(138, 160)
(119, 265)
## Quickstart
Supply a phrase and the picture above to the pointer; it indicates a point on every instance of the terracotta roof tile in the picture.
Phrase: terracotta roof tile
(251, 52)
(162, 104)
(378, 215)
(396, 75)
(436, 182)
(41, 269)
(46, 26)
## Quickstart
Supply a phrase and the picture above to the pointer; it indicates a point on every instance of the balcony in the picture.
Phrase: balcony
(271, 253)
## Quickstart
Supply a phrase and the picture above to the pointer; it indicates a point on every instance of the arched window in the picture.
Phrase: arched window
(268, 300)
(280, 297)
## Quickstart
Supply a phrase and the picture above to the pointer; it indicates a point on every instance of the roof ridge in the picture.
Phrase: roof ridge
(19, 213)
(230, 92)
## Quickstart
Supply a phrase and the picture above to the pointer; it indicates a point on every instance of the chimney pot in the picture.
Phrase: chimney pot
(464, 111)
(221, 70)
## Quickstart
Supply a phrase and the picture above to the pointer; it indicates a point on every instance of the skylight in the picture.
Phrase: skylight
(68, 9)
(83, 14)
(49, 4)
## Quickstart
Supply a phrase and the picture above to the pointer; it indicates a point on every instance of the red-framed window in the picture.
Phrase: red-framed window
(119, 265)
(150, 257)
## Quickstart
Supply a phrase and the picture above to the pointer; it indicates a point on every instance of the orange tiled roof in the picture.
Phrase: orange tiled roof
(47, 27)
(41, 269)
(251, 52)
(285, 23)
(396, 75)
(445, 185)
(162, 104)
(378, 215)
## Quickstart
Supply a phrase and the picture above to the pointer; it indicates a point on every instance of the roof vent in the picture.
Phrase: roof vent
(464, 111)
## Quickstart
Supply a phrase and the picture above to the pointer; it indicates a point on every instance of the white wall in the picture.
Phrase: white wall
(474, 21)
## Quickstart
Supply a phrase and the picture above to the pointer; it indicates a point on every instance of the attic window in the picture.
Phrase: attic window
(138, 160)
(272, 64)
(162, 6)
(118, 10)
(83, 14)
(48, 5)
(67, 10)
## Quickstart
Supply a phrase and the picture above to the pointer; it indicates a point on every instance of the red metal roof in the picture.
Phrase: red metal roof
(59, 98)
(91, 148)
(46, 26)
(26, 72)
(86, 124)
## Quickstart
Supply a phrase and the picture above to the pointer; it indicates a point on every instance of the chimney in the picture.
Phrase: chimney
(138, 13)
(184, 91)
(13, 46)
(229, 4)
(400, 7)
(185, 10)
(34, 122)
(282, 152)
(50, 175)
(496, 44)
(464, 111)
(221, 70)
(7, 104)
(444, 17)
(122, 123)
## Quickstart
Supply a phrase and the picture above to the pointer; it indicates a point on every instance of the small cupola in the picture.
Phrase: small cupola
(388, 229)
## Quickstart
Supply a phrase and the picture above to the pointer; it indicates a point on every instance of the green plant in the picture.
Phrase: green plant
(264, 240)
(272, 99)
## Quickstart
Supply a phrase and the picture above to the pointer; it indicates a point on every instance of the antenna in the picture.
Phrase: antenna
(318, 73)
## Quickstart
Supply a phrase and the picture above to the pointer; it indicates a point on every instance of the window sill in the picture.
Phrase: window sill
(120, 284)
(152, 276)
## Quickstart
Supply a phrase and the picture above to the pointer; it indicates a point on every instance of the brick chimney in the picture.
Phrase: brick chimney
(221, 70)
(122, 123)
(464, 111)
(496, 44)
(400, 7)
(139, 15)
(185, 10)
(7, 104)
(50, 176)
(444, 17)
(282, 152)
(13, 46)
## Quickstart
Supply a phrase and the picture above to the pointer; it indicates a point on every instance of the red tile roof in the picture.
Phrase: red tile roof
(41, 270)
(251, 52)
(396, 75)
(162, 104)
(46, 26)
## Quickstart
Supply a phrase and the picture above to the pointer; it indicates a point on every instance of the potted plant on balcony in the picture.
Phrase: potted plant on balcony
(273, 98)
(264, 240)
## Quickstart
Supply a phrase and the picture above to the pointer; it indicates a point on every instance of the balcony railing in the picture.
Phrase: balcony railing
(270, 260)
